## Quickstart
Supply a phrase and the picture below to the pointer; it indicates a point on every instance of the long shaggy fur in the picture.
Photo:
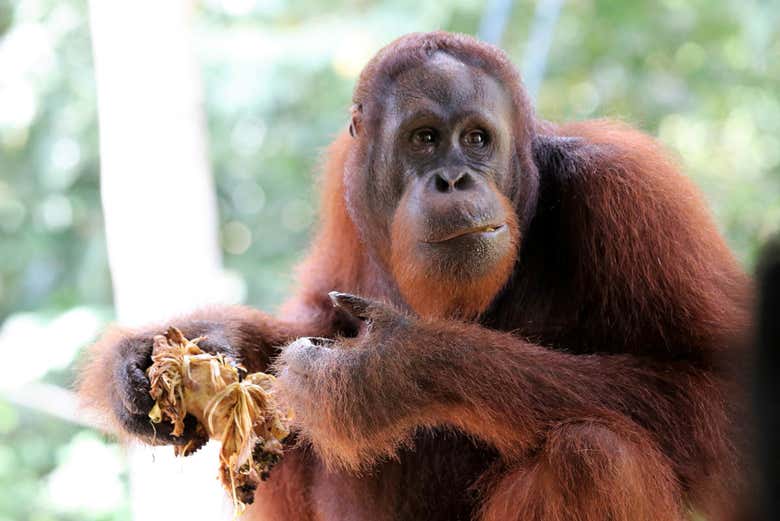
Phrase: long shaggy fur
(583, 382)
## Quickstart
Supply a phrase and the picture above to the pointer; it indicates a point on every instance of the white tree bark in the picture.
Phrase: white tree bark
(160, 211)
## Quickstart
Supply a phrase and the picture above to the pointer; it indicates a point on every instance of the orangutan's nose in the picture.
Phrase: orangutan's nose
(451, 180)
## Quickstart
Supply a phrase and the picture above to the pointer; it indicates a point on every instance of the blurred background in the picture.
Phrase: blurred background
(267, 87)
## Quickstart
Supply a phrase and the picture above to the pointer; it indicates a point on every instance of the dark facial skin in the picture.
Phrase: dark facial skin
(448, 159)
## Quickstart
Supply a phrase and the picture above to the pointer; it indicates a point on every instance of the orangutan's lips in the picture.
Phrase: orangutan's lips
(487, 228)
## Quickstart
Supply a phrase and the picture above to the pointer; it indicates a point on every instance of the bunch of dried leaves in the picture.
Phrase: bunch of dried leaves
(236, 408)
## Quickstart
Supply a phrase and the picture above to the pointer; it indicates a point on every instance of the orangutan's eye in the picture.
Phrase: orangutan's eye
(475, 138)
(424, 137)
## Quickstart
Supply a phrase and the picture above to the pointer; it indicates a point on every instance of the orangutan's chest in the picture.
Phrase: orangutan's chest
(434, 481)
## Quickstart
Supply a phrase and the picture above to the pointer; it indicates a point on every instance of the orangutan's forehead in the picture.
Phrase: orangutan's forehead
(449, 84)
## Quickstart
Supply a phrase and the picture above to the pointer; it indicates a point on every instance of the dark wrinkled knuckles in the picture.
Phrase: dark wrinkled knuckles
(439, 169)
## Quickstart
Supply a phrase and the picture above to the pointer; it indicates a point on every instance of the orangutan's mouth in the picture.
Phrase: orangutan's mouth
(485, 229)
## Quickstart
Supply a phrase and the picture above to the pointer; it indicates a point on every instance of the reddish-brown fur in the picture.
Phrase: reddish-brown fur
(585, 386)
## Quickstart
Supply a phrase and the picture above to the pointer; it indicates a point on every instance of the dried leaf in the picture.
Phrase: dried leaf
(240, 412)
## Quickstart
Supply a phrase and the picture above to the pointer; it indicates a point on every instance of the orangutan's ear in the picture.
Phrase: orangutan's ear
(356, 112)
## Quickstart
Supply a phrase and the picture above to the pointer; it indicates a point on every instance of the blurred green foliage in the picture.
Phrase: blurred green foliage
(278, 77)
